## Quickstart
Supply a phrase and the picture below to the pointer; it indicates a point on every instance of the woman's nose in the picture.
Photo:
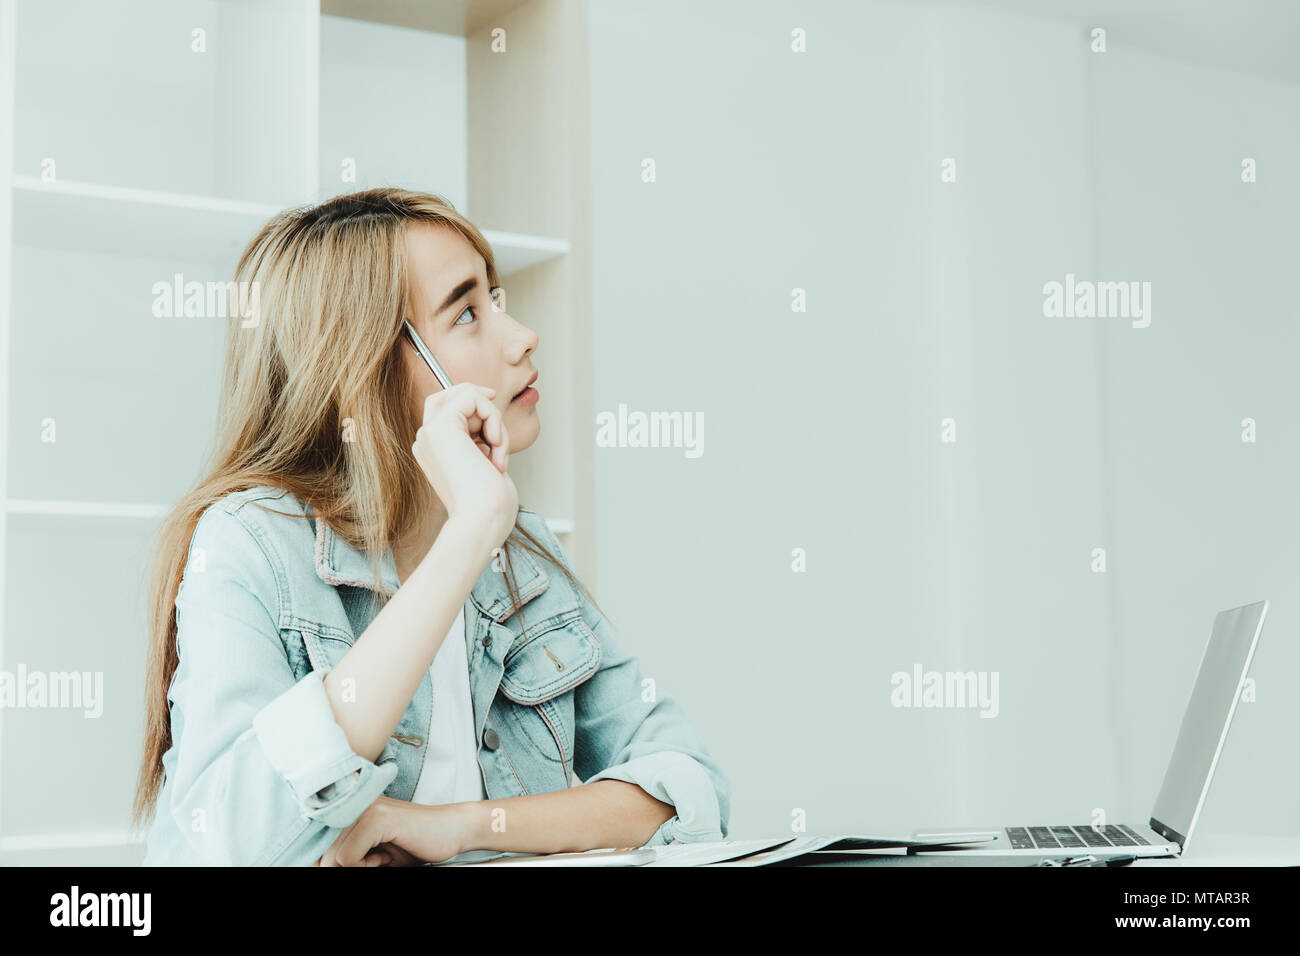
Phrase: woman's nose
(527, 335)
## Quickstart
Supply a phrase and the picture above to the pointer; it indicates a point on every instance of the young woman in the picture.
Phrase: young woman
(363, 651)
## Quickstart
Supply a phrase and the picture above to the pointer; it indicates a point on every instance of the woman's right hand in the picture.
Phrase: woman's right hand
(463, 448)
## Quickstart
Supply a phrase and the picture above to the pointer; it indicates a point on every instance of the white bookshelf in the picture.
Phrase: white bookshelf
(130, 157)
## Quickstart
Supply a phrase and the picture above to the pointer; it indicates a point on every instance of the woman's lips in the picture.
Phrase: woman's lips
(528, 396)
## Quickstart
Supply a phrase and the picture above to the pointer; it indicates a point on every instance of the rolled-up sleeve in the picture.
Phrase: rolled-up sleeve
(259, 773)
(305, 745)
(620, 735)
(684, 782)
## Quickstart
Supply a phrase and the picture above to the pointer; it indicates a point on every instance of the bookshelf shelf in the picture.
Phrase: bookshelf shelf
(120, 220)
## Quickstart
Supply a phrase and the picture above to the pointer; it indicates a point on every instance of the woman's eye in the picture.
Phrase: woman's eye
(471, 310)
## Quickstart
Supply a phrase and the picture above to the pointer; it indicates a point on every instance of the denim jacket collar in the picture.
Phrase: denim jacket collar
(337, 562)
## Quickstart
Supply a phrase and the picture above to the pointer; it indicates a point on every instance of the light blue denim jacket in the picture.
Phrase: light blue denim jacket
(259, 773)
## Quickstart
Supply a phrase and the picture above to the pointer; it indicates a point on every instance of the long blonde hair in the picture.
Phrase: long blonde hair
(331, 291)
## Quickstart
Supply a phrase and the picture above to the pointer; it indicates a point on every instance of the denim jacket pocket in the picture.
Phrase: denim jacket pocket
(323, 646)
(539, 678)
(556, 658)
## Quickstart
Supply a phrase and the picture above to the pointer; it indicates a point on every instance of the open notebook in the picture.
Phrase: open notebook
(720, 853)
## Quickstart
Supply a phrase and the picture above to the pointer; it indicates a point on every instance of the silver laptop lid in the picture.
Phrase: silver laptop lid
(1224, 666)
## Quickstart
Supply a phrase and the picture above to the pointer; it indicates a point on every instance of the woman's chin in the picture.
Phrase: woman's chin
(523, 432)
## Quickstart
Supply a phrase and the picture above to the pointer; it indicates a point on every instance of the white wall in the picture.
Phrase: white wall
(1201, 520)
(821, 171)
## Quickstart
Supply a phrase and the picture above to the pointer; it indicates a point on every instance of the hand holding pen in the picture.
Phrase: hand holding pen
(455, 419)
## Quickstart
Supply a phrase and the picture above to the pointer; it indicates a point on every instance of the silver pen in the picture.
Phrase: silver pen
(423, 351)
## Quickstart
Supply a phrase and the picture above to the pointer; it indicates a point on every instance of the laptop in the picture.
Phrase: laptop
(1224, 665)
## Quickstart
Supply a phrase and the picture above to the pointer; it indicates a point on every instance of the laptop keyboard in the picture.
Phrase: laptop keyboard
(1030, 838)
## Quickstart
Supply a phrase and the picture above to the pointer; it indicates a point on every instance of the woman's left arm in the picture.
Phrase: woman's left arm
(658, 783)
(607, 813)
(628, 730)
(648, 778)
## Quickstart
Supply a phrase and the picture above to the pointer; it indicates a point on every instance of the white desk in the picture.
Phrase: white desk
(1226, 850)
(1220, 850)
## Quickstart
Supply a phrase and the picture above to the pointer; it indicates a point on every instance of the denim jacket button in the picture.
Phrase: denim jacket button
(490, 739)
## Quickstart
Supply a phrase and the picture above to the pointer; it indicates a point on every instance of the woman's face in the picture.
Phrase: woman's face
(471, 341)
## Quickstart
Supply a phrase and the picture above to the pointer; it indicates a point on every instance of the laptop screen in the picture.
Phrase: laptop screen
(1205, 724)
